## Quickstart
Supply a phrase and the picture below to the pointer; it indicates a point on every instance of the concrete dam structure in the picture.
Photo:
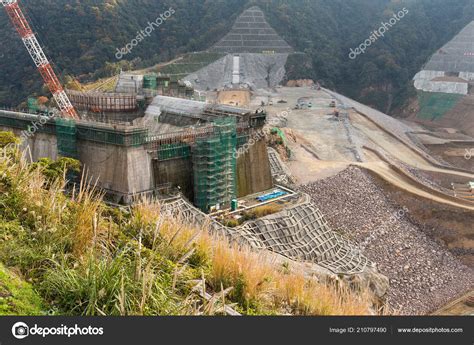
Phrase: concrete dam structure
(192, 151)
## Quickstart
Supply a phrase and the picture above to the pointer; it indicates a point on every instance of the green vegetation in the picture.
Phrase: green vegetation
(433, 105)
(7, 138)
(252, 214)
(85, 258)
(324, 30)
(382, 77)
(53, 170)
(82, 38)
(18, 297)
(189, 64)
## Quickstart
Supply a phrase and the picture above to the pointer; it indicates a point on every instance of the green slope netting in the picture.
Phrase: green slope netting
(434, 106)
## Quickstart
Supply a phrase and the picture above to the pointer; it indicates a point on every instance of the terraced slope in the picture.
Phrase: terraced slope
(252, 34)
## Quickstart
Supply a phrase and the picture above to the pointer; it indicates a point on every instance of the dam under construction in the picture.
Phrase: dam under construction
(222, 142)
(130, 160)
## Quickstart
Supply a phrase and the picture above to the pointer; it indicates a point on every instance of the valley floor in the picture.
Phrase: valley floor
(379, 184)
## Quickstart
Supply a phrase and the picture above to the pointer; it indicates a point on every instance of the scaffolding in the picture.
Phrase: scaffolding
(150, 82)
(214, 166)
(242, 139)
(103, 102)
(120, 135)
(66, 137)
(25, 121)
(174, 151)
(33, 105)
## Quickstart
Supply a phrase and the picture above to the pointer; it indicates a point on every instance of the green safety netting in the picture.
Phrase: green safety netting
(214, 167)
(434, 105)
(66, 137)
(172, 151)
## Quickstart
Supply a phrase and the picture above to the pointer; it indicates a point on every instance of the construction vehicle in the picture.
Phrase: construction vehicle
(31, 43)
(333, 104)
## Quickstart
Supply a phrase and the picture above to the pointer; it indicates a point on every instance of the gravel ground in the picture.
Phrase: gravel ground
(411, 171)
(423, 275)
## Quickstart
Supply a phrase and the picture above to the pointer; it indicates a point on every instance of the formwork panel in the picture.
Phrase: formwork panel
(103, 102)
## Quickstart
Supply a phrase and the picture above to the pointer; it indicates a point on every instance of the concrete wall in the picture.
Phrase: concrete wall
(178, 172)
(442, 86)
(253, 170)
(122, 171)
(467, 76)
(41, 145)
(423, 80)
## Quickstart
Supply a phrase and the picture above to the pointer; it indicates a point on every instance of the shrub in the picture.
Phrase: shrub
(53, 170)
(7, 138)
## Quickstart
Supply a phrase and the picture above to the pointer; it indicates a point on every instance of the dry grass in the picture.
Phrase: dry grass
(45, 206)
(259, 285)
(94, 274)
(264, 284)
(101, 85)
(266, 210)
(87, 225)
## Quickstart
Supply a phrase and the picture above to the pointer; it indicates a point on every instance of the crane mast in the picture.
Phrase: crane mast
(23, 28)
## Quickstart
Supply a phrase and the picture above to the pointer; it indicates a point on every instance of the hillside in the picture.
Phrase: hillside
(85, 258)
(83, 37)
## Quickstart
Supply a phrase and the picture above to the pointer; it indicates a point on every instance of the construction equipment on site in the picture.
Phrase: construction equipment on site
(333, 104)
(464, 191)
(23, 28)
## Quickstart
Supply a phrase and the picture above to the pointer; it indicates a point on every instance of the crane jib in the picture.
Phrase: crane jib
(28, 37)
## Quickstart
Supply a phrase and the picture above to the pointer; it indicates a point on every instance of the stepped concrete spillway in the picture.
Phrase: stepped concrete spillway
(457, 55)
(252, 34)
(256, 56)
(451, 68)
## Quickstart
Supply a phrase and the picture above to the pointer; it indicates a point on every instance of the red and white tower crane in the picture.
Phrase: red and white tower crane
(21, 25)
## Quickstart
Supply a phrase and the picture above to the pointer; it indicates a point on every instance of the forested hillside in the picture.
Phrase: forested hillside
(327, 30)
(82, 39)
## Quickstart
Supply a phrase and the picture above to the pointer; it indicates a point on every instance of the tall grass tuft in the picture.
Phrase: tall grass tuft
(86, 221)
